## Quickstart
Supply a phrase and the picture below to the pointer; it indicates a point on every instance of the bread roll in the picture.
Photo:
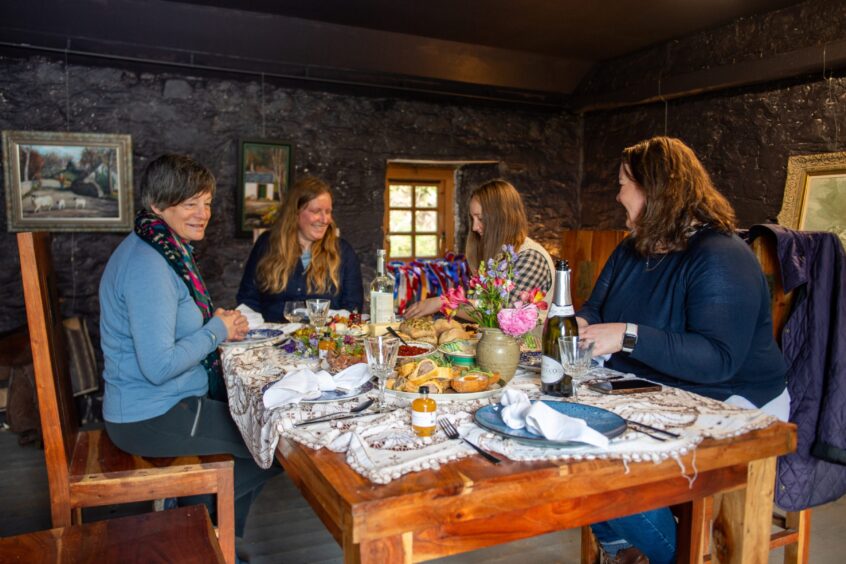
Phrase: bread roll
(443, 324)
(453, 334)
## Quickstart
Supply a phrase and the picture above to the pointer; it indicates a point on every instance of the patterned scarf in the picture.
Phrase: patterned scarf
(156, 233)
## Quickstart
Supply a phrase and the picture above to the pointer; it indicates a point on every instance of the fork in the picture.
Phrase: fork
(449, 429)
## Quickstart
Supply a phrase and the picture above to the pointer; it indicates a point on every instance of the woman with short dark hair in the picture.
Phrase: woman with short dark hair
(682, 301)
(164, 393)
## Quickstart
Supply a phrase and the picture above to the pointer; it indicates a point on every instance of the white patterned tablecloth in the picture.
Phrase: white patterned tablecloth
(383, 447)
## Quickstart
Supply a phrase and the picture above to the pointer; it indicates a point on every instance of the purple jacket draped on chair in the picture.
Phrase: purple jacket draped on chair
(814, 347)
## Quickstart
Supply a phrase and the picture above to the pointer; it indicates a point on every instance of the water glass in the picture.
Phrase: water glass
(381, 354)
(576, 355)
(295, 311)
(318, 311)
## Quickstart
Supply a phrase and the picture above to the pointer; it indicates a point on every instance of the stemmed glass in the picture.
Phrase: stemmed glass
(318, 311)
(381, 354)
(295, 311)
(576, 355)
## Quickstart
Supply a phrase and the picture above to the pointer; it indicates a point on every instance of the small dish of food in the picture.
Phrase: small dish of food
(460, 353)
(414, 350)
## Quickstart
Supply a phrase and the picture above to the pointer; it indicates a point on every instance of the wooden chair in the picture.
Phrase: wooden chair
(183, 535)
(589, 251)
(84, 468)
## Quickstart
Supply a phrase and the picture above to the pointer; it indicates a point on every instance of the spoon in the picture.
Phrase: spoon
(329, 416)
(395, 334)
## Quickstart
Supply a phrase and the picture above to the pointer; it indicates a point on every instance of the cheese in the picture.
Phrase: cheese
(376, 329)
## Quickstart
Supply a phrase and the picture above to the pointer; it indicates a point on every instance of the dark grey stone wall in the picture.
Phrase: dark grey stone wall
(743, 136)
(345, 139)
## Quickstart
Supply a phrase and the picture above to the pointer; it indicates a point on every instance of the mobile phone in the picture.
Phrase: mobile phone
(626, 386)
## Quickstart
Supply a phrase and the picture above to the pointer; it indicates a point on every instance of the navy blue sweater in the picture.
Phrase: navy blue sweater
(272, 306)
(703, 317)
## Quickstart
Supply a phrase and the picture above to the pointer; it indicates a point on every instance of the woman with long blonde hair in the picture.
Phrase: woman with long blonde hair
(497, 217)
(301, 257)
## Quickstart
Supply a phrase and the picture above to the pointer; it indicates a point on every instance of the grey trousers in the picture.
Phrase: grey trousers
(194, 427)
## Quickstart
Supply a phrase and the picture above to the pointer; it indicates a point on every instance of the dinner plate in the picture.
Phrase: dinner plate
(411, 396)
(609, 424)
(258, 337)
(333, 395)
(530, 367)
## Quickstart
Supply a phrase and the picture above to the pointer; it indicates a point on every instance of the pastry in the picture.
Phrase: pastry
(418, 328)
(442, 325)
(453, 334)
(470, 382)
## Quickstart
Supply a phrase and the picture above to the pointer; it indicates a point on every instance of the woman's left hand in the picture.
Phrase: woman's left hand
(236, 324)
(429, 306)
(607, 337)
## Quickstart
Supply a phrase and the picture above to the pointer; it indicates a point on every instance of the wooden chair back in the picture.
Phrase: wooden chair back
(587, 251)
(56, 405)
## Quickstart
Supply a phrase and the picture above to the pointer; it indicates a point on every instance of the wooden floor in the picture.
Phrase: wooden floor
(282, 528)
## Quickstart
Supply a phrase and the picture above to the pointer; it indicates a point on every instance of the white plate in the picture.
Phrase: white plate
(411, 396)
(258, 338)
(430, 348)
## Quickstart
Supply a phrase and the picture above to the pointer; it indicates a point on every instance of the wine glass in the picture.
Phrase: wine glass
(318, 311)
(576, 355)
(295, 311)
(381, 354)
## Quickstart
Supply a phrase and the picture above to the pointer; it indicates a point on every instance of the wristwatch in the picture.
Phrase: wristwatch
(630, 338)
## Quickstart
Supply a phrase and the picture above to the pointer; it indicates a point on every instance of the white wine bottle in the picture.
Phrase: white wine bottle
(381, 293)
(561, 322)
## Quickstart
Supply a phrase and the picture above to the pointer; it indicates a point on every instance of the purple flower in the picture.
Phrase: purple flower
(312, 340)
(349, 339)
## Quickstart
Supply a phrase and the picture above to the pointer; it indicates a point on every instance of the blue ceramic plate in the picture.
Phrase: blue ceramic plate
(257, 337)
(334, 395)
(609, 424)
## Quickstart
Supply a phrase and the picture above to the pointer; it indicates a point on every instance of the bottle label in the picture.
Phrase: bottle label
(561, 311)
(423, 418)
(551, 370)
(381, 307)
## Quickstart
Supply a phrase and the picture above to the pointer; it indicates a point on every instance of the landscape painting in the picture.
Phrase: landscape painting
(67, 181)
(264, 177)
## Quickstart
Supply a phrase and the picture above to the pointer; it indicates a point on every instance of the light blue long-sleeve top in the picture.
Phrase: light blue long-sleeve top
(152, 334)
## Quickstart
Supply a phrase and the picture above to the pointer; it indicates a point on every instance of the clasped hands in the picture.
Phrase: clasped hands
(235, 322)
(607, 337)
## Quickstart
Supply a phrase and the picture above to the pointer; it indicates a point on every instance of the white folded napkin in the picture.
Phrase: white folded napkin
(540, 419)
(254, 318)
(339, 313)
(305, 384)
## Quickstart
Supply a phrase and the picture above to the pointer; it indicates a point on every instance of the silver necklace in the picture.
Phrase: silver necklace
(654, 266)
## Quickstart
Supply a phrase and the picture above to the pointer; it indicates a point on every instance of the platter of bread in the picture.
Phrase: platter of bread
(445, 382)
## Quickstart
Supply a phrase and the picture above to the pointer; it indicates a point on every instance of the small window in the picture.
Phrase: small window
(419, 215)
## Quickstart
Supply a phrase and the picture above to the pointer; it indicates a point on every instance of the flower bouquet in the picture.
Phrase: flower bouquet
(487, 301)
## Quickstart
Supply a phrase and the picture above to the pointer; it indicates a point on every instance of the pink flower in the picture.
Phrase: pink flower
(452, 300)
(536, 297)
(518, 321)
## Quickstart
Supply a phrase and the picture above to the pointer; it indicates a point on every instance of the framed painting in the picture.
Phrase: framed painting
(264, 168)
(815, 194)
(67, 181)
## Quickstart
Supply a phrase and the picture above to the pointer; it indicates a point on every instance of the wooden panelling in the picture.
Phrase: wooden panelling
(587, 251)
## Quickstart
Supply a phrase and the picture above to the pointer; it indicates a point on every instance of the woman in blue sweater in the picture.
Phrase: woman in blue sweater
(302, 257)
(683, 302)
(164, 394)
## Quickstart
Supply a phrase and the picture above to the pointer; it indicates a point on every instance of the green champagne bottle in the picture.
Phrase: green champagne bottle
(561, 321)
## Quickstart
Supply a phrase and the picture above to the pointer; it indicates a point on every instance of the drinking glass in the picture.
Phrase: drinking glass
(576, 355)
(381, 354)
(318, 311)
(295, 311)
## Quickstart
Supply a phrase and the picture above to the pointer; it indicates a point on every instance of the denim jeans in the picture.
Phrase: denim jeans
(652, 532)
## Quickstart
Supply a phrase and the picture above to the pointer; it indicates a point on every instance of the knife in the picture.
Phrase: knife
(347, 416)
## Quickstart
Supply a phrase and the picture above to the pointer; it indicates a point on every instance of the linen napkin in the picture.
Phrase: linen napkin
(540, 419)
(254, 318)
(339, 313)
(305, 384)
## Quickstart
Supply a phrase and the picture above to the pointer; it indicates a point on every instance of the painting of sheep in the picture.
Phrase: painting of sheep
(68, 181)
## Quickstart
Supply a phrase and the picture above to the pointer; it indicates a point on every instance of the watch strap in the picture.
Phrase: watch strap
(629, 338)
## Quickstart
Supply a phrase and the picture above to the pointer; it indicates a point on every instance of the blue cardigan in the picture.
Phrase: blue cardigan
(272, 305)
(703, 317)
(152, 334)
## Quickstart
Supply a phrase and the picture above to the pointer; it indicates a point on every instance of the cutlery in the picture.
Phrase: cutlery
(651, 428)
(449, 429)
(395, 334)
(330, 416)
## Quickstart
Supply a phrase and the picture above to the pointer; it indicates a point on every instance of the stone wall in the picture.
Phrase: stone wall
(343, 138)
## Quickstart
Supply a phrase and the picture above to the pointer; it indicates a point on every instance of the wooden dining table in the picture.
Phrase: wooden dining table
(470, 503)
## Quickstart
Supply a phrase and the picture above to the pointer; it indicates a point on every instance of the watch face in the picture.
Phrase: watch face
(629, 341)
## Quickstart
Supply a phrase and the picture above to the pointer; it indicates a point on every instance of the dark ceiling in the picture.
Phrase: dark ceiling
(527, 49)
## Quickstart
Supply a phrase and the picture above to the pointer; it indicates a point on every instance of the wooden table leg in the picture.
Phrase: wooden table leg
(798, 553)
(691, 538)
(742, 527)
(396, 549)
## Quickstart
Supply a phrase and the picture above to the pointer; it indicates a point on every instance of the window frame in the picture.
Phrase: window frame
(444, 179)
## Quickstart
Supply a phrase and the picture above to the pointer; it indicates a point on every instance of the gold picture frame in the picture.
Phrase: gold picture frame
(815, 194)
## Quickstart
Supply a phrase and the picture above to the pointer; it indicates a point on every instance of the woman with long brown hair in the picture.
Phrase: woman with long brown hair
(301, 257)
(682, 302)
(497, 217)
